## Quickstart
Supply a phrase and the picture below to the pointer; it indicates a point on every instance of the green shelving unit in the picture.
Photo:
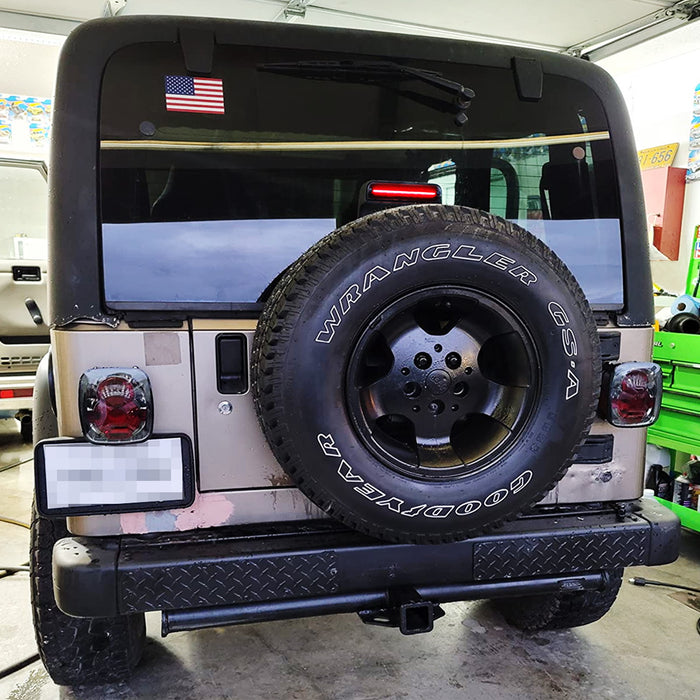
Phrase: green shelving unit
(689, 518)
(678, 426)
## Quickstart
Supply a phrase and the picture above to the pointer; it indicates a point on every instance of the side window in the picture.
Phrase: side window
(498, 193)
(516, 182)
(445, 175)
(505, 189)
(23, 202)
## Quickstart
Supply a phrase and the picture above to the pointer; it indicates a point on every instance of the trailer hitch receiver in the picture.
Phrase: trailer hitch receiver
(407, 610)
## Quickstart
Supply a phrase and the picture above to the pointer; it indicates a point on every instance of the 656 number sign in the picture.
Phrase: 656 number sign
(658, 156)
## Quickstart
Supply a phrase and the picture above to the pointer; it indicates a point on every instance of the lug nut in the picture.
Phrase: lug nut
(422, 360)
(459, 389)
(453, 360)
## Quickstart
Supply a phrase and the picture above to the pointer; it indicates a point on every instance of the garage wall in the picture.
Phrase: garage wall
(28, 62)
(657, 80)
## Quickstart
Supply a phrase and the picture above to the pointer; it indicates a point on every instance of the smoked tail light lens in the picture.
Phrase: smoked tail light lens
(631, 394)
(116, 405)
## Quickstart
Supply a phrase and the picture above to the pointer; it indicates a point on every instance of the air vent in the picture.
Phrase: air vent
(22, 361)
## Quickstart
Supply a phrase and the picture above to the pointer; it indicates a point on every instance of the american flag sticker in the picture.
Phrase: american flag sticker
(185, 94)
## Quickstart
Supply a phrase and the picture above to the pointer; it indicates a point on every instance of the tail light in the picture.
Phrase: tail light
(16, 393)
(116, 405)
(632, 394)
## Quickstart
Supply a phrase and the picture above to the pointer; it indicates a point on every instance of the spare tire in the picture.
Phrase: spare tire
(426, 372)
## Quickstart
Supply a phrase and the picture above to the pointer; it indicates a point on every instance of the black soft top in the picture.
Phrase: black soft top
(74, 241)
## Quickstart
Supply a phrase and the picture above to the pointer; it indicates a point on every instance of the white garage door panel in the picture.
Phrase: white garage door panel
(553, 24)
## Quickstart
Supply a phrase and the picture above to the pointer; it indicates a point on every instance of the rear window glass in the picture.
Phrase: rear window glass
(210, 192)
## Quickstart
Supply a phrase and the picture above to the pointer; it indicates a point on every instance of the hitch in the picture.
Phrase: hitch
(406, 610)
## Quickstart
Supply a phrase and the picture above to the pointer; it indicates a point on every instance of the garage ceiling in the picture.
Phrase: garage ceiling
(593, 27)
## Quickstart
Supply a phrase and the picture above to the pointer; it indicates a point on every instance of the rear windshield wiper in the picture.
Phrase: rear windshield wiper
(376, 72)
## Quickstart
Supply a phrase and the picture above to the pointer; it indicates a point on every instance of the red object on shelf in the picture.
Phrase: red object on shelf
(664, 190)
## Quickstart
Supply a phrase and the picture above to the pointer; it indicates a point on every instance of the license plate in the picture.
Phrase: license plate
(74, 477)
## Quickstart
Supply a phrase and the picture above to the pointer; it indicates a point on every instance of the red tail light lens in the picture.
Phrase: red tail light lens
(634, 395)
(116, 405)
(397, 190)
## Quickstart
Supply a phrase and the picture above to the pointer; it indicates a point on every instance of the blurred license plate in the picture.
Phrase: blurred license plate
(79, 478)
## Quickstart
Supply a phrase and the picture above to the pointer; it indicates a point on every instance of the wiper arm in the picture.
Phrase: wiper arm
(376, 72)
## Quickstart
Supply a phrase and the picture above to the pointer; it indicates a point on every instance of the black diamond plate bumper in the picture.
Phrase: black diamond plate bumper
(96, 577)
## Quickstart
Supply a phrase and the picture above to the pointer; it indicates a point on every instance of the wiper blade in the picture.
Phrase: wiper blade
(375, 72)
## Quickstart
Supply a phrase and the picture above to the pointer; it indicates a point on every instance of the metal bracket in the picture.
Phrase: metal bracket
(296, 8)
(624, 510)
(638, 30)
(113, 7)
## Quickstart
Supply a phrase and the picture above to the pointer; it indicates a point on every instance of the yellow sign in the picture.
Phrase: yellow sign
(657, 157)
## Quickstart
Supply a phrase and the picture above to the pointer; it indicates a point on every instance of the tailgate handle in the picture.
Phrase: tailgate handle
(232, 363)
(26, 273)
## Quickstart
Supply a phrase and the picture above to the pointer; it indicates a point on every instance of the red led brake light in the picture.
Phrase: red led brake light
(15, 393)
(389, 190)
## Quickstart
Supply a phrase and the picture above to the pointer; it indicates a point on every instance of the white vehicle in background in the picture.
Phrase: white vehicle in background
(24, 336)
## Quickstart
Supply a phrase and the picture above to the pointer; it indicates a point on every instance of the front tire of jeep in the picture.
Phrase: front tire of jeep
(555, 611)
(77, 651)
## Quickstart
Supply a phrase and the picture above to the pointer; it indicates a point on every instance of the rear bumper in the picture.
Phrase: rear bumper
(318, 567)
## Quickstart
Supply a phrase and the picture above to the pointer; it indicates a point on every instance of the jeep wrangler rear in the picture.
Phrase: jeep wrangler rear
(341, 321)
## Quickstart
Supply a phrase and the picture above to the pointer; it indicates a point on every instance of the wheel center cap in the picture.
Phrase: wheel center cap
(438, 382)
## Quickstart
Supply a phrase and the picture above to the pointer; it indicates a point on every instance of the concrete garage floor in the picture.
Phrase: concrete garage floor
(645, 648)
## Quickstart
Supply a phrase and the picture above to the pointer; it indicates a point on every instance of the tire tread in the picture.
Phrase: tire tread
(288, 299)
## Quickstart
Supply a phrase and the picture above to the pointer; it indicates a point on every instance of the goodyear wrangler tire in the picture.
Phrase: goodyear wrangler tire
(426, 372)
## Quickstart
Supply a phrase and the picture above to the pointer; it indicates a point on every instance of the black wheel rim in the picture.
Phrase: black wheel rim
(442, 382)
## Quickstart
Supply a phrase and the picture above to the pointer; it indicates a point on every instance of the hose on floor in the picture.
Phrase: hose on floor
(8, 571)
(639, 581)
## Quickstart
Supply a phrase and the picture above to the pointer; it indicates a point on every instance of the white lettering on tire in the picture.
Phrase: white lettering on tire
(402, 260)
(573, 386)
(346, 472)
(521, 482)
(398, 505)
(376, 274)
(431, 253)
(493, 499)
(329, 326)
(369, 492)
(570, 346)
(328, 445)
(438, 511)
